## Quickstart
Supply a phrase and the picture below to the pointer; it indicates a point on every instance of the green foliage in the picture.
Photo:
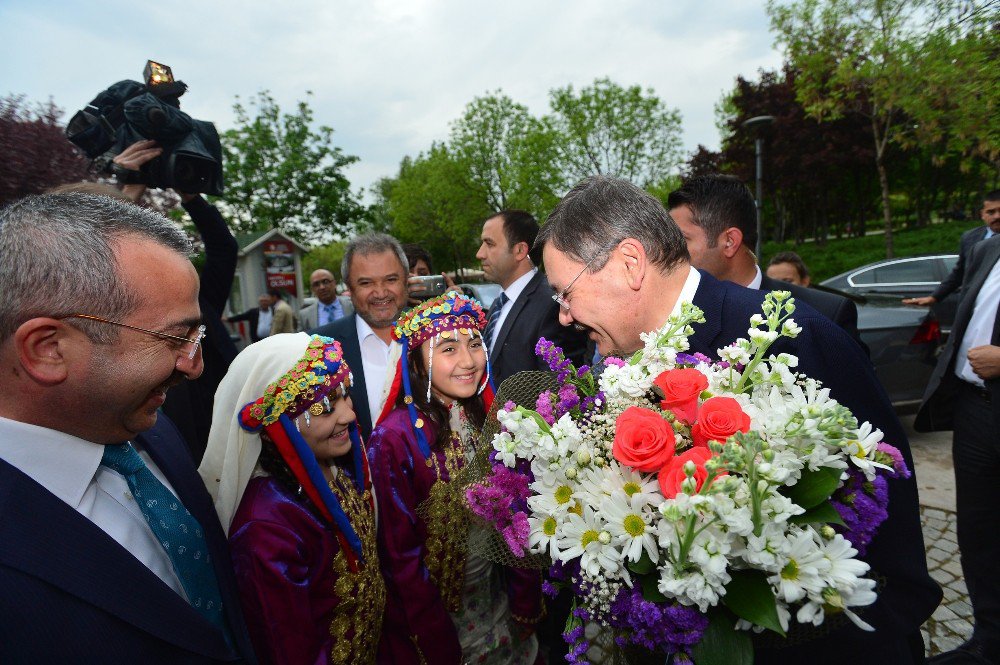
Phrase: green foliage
(326, 256)
(814, 487)
(614, 130)
(824, 513)
(750, 597)
(722, 644)
(280, 172)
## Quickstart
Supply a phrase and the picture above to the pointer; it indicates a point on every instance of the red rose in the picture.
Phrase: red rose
(718, 419)
(644, 440)
(672, 475)
(681, 388)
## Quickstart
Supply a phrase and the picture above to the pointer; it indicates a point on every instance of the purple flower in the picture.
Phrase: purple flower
(890, 455)
(543, 405)
(671, 628)
(613, 360)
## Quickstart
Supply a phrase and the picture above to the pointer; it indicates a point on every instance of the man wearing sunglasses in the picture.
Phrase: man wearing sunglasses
(620, 267)
(106, 530)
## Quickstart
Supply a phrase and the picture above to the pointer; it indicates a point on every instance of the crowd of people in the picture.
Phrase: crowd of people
(304, 509)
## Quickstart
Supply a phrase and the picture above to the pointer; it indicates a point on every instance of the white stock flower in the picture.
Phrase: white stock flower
(505, 446)
(790, 329)
(634, 381)
(762, 337)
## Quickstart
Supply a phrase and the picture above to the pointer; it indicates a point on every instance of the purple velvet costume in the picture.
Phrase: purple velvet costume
(418, 627)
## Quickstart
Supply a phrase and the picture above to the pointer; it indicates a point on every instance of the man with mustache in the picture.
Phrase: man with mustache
(106, 530)
(375, 270)
(619, 266)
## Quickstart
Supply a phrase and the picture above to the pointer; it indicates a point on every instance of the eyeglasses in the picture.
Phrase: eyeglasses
(194, 341)
(322, 282)
(561, 296)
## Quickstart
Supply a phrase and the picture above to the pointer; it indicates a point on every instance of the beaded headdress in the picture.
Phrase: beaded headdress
(305, 389)
(440, 316)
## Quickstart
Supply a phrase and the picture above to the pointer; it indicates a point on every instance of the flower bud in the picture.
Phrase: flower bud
(604, 537)
(582, 457)
(827, 531)
(571, 472)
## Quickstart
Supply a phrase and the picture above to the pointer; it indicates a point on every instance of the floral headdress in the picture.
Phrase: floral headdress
(305, 390)
(437, 317)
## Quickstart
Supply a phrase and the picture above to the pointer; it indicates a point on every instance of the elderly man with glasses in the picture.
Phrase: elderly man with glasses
(620, 267)
(106, 530)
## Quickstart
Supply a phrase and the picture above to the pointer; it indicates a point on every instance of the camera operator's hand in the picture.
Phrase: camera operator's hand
(133, 158)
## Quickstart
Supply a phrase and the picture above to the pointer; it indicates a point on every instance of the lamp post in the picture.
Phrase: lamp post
(757, 125)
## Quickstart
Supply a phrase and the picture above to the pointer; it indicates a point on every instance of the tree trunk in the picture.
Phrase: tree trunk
(883, 180)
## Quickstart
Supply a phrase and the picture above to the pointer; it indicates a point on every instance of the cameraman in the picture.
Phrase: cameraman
(189, 404)
(422, 283)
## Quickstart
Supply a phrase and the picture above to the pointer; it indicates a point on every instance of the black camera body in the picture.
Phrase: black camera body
(130, 111)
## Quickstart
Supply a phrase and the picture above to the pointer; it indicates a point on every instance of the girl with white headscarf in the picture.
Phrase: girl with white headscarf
(289, 476)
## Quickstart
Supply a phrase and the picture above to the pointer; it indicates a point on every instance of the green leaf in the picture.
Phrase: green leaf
(814, 487)
(649, 590)
(750, 596)
(824, 513)
(644, 566)
(722, 644)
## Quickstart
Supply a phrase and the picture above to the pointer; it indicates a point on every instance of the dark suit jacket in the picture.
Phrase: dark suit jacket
(345, 331)
(953, 281)
(838, 309)
(533, 315)
(251, 316)
(896, 555)
(938, 406)
(72, 594)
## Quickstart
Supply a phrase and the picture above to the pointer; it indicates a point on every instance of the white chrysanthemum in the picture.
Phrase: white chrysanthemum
(544, 535)
(803, 569)
(614, 477)
(862, 449)
(551, 499)
(769, 550)
(844, 570)
(586, 537)
(629, 521)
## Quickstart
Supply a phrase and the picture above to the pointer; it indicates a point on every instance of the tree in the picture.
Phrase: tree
(282, 173)
(875, 58)
(613, 130)
(36, 153)
(510, 155)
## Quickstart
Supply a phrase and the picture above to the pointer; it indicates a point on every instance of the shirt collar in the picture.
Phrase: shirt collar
(757, 279)
(61, 463)
(519, 284)
(688, 290)
(365, 331)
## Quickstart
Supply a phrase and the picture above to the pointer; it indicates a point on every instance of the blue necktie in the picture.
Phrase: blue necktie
(175, 527)
(491, 323)
(330, 314)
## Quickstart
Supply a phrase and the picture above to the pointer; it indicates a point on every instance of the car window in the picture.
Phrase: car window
(949, 263)
(905, 271)
(864, 277)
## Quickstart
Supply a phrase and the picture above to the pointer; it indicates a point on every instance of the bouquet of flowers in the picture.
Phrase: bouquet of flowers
(687, 501)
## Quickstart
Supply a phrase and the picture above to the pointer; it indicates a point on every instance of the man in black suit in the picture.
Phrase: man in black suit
(717, 215)
(252, 317)
(525, 311)
(374, 269)
(964, 395)
(620, 267)
(990, 214)
(106, 531)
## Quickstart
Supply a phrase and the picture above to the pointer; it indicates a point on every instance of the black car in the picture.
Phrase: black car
(904, 278)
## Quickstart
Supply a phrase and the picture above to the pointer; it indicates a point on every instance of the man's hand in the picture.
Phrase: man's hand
(985, 361)
(133, 158)
(923, 302)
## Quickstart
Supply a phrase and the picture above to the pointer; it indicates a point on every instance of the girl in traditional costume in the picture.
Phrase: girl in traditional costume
(289, 475)
(444, 604)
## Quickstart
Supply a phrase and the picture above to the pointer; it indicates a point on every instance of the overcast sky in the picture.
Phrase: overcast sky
(388, 76)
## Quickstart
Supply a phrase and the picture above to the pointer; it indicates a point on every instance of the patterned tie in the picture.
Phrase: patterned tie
(177, 530)
(491, 323)
(331, 315)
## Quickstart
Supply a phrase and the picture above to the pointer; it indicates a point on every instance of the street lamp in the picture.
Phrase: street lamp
(757, 125)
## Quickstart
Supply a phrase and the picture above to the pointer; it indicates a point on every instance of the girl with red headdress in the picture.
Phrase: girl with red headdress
(444, 604)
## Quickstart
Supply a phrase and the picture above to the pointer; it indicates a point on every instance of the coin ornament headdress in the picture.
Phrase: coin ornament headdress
(438, 318)
(306, 390)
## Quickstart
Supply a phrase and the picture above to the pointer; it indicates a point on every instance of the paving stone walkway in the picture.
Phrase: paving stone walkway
(951, 623)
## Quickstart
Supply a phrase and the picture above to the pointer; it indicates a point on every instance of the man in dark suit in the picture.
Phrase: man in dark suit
(107, 535)
(252, 317)
(964, 395)
(990, 214)
(620, 267)
(525, 311)
(718, 217)
(374, 269)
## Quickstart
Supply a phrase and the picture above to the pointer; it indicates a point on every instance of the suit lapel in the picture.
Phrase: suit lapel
(989, 254)
(515, 310)
(352, 354)
(710, 298)
(43, 537)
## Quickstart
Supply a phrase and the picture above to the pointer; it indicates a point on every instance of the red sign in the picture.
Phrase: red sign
(279, 264)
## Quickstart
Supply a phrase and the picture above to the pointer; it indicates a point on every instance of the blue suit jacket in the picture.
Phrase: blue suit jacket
(908, 595)
(69, 593)
(345, 331)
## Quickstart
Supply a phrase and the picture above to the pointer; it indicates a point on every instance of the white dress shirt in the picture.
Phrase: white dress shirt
(374, 364)
(512, 292)
(756, 281)
(264, 318)
(687, 291)
(980, 330)
(70, 468)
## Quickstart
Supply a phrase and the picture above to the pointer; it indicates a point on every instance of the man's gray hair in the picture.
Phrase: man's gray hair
(368, 244)
(600, 212)
(58, 259)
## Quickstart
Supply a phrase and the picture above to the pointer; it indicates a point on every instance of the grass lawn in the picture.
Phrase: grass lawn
(837, 256)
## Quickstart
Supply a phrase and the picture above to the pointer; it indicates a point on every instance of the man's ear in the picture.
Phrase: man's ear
(520, 250)
(634, 264)
(731, 241)
(42, 346)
